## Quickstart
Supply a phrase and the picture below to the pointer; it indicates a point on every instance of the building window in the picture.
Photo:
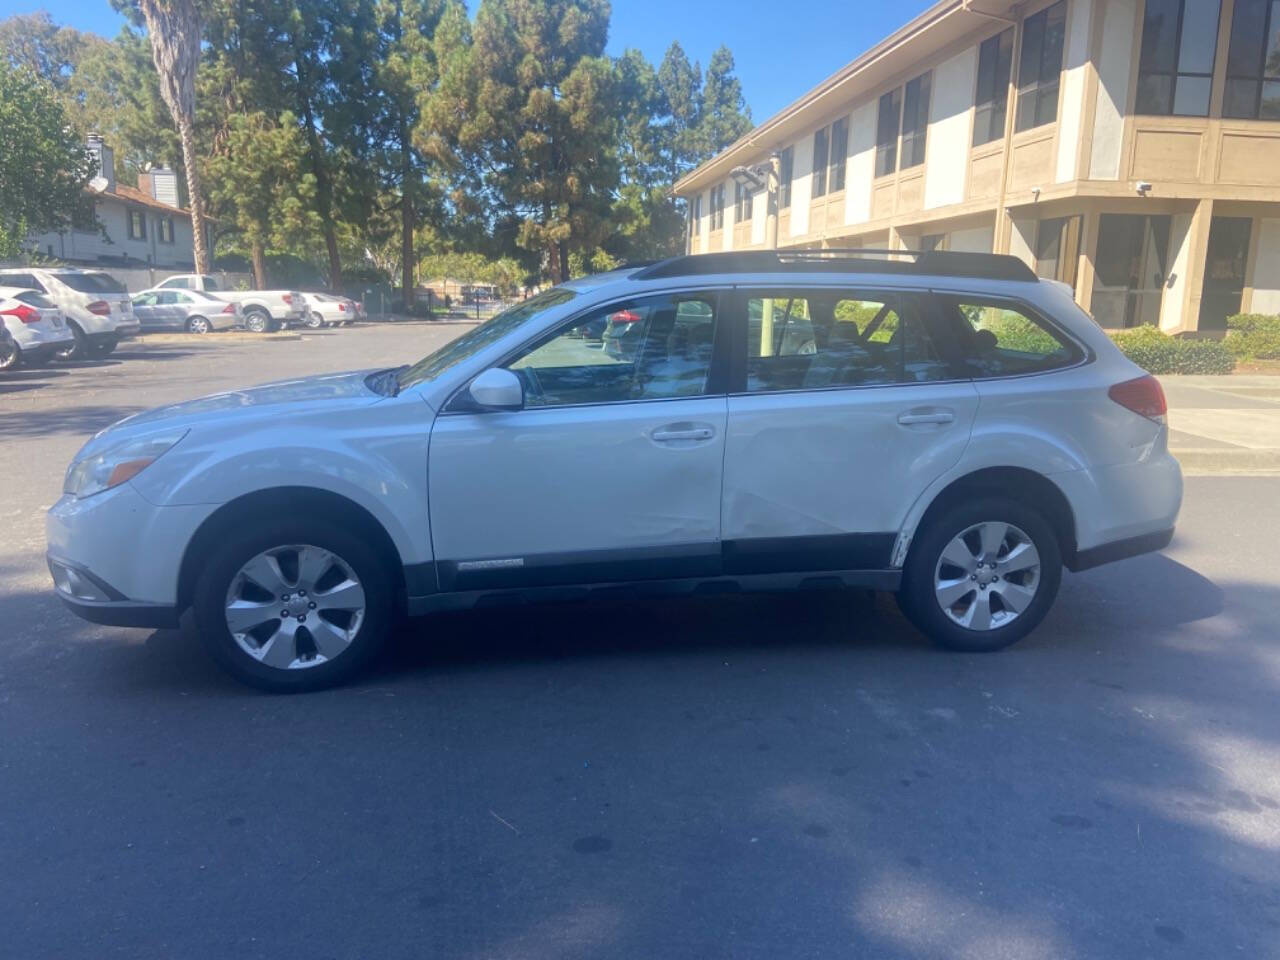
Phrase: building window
(1253, 61)
(84, 215)
(995, 57)
(820, 157)
(1040, 67)
(695, 214)
(717, 207)
(888, 124)
(839, 153)
(1130, 269)
(1058, 249)
(1224, 268)
(165, 225)
(137, 225)
(915, 121)
(786, 167)
(1175, 72)
(741, 203)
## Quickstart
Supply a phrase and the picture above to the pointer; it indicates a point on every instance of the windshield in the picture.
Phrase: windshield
(472, 342)
(91, 282)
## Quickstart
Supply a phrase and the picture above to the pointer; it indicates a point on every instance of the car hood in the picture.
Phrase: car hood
(276, 400)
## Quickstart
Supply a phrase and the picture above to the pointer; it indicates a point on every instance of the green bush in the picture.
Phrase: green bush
(1160, 353)
(1253, 336)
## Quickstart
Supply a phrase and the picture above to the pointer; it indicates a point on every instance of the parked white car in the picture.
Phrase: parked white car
(95, 305)
(192, 311)
(36, 326)
(262, 310)
(950, 428)
(326, 310)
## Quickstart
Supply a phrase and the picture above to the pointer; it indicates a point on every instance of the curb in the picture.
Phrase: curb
(1217, 462)
(226, 336)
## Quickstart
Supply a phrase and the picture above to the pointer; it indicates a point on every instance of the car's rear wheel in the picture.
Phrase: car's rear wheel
(78, 349)
(257, 320)
(982, 574)
(104, 347)
(197, 325)
(293, 605)
(10, 355)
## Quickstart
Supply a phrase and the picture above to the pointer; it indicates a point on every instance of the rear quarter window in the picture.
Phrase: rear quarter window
(92, 283)
(35, 299)
(1003, 339)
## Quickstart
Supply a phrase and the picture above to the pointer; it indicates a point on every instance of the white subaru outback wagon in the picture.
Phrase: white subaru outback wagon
(945, 426)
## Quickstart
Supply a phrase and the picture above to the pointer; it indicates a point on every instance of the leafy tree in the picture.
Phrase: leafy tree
(260, 186)
(724, 115)
(681, 83)
(44, 167)
(539, 119)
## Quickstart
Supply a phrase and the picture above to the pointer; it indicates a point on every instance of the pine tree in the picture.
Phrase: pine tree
(724, 116)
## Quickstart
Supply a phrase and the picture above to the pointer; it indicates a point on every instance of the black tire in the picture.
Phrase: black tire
(222, 566)
(917, 597)
(103, 348)
(198, 325)
(10, 356)
(313, 321)
(257, 320)
(79, 349)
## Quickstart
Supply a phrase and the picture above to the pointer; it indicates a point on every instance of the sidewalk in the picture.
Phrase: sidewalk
(1225, 425)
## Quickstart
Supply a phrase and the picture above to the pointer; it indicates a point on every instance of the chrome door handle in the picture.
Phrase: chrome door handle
(939, 416)
(667, 434)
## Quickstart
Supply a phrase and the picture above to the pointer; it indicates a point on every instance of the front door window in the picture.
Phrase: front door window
(649, 349)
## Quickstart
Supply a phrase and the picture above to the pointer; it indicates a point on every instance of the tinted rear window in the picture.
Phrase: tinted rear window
(92, 283)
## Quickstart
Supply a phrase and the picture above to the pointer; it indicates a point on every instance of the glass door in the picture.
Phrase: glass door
(1224, 270)
(1130, 269)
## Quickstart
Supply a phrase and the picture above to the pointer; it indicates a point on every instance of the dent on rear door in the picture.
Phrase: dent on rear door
(838, 461)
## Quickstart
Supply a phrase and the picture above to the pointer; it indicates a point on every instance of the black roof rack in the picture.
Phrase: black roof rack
(934, 263)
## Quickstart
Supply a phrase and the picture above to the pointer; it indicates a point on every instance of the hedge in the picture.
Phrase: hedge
(1160, 353)
(1253, 336)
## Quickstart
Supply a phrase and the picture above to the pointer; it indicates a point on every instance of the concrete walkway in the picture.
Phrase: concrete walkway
(1225, 425)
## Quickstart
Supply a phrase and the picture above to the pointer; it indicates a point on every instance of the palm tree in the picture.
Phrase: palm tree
(174, 28)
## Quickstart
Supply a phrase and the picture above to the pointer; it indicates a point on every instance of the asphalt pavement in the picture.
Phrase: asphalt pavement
(793, 776)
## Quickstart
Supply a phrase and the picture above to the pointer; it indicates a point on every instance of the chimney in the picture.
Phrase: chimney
(105, 179)
(162, 184)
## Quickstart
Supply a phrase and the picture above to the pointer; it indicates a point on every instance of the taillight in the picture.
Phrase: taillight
(99, 308)
(229, 308)
(287, 298)
(625, 316)
(24, 313)
(342, 308)
(1143, 396)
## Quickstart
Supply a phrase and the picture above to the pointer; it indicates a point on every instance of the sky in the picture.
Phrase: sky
(803, 42)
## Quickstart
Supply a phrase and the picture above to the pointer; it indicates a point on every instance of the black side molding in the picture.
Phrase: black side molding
(125, 613)
(1119, 550)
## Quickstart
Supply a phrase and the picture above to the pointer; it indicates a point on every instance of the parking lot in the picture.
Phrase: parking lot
(747, 777)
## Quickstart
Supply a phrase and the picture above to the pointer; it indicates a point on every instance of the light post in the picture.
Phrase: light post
(765, 176)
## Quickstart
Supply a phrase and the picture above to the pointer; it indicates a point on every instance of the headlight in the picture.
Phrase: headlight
(112, 467)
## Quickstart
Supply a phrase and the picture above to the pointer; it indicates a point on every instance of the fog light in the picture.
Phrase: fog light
(74, 584)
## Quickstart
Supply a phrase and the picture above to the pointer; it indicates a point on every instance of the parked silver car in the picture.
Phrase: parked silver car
(191, 310)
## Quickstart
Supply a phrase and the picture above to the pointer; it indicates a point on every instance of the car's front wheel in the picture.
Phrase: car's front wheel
(313, 321)
(293, 605)
(982, 574)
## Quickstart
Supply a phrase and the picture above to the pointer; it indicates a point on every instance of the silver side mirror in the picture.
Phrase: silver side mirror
(497, 389)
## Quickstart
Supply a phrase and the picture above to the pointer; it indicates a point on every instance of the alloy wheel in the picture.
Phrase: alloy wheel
(198, 325)
(295, 606)
(987, 576)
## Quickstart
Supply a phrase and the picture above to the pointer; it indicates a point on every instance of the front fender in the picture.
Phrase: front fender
(374, 456)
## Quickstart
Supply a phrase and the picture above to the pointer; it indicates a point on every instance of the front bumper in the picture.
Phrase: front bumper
(93, 599)
(124, 553)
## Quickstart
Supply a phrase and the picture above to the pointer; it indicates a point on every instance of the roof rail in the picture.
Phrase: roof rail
(937, 263)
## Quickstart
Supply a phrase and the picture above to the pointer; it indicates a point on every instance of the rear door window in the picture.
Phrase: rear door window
(1003, 339)
(816, 339)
